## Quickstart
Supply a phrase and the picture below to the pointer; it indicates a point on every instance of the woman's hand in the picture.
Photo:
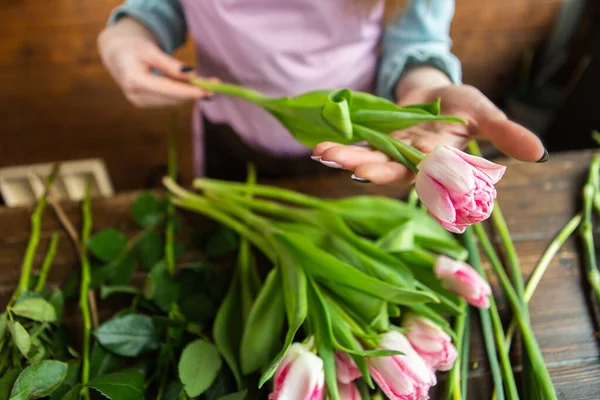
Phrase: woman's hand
(130, 53)
(423, 85)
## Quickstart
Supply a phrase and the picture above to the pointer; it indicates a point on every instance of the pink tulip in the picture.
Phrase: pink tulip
(299, 376)
(457, 188)
(430, 341)
(461, 279)
(348, 391)
(345, 369)
(401, 377)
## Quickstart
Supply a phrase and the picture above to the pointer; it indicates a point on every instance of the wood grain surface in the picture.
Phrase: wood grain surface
(536, 199)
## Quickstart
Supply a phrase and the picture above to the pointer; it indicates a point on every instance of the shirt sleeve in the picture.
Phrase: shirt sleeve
(164, 18)
(421, 36)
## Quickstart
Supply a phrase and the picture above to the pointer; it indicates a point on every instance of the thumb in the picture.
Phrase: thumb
(166, 64)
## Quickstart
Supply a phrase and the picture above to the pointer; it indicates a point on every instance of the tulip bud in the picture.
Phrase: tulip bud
(348, 391)
(460, 278)
(401, 377)
(430, 341)
(345, 369)
(299, 376)
(457, 188)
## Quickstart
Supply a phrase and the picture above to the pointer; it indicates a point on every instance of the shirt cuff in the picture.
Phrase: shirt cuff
(392, 68)
(167, 27)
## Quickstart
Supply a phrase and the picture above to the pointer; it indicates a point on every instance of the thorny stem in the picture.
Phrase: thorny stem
(47, 264)
(34, 239)
(84, 290)
(521, 315)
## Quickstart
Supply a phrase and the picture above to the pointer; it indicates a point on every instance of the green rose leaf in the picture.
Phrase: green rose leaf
(123, 385)
(39, 380)
(107, 244)
(150, 249)
(36, 309)
(198, 366)
(20, 336)
(144, 209)
(102, 361)
(161, 287)
(235, 396)
(128, 335)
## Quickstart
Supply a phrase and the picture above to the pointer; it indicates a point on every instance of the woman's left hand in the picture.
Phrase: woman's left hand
(423, 85)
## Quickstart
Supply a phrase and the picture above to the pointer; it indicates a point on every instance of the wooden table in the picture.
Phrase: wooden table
(537, 200)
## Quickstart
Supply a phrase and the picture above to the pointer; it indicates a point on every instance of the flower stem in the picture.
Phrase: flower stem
(542, 266)
(193, 202)
(453, 387)
(464, 355)
(84, 289)
(170, 222)
(589, 192)
(522, 316)
(230, 90)
(34, 239)
(491, 325)
(47, 264)
(413, 198)
(262, 190)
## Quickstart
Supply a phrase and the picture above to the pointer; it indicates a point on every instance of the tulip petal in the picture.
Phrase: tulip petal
(492, 170)
(435, 198)
(450, 170)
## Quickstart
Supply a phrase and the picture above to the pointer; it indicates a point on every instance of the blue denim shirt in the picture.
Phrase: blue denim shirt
(420, 36)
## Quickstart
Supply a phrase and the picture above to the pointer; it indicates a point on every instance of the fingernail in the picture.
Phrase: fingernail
(360, 180)
(186, 68)
(331, 164)
(544, 158)
(316, 158)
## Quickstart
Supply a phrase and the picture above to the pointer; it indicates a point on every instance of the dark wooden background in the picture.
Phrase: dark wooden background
(58, 103)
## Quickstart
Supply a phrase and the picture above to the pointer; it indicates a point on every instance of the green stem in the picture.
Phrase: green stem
(84, 290)
(492, 329)
(47, 264)
(413, 198)
(542, 266)
(170, 223)
(522, 317)
(230, 90)
(411, 153)
(386, 144)
(202, 205)
(464, 355)
(502, 228)
(589, 192)
(262, 190)
(34, 239)
(453, 387)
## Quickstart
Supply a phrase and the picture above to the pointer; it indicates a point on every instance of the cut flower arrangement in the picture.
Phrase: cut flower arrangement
(352, 298)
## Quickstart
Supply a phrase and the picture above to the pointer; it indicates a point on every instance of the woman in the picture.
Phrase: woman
(287, 47)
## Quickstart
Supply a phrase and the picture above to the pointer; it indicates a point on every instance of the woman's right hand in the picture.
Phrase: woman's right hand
(130, 53)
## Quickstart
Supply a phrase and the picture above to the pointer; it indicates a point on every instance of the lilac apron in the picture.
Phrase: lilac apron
(278, 47)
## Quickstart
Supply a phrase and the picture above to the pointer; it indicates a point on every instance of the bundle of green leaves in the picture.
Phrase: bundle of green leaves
(342, 271)
(342, 116)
